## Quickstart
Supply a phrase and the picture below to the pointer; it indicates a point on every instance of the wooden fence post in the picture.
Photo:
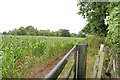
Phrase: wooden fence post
(97, 72)
(101, 53)
(100, 65)
(96, 66)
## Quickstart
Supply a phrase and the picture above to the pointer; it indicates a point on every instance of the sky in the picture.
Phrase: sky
(41, 14)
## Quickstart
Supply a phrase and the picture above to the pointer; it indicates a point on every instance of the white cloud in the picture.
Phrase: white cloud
(42, 14)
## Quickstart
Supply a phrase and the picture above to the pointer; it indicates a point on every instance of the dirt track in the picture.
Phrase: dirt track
(45, 68)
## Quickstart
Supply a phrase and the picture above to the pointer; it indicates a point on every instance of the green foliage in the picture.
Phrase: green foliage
(95, 13)
(4, 33)
(64, 33)
(22, 31)
(114, 27)
(93, 44)
(73, 35)
(1, 55)
(21, 53)
(113, 37)
(81, 34)
(30, 30)
(87, 29)
(14, 32)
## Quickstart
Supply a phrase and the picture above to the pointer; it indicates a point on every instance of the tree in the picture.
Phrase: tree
(31, 30)
(113, 35)
(81, 34)
(22, 31)
(5, 33)
(13, 32)
(64, 33)
(73, 35)
(87, 29)
(95, 13)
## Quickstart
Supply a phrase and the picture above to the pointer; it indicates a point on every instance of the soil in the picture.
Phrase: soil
(45, 68)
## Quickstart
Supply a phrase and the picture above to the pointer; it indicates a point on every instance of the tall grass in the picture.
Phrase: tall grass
(20, 53)
(92, 50)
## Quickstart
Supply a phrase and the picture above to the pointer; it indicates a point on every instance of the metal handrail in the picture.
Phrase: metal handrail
(80, 49)
(69, 71)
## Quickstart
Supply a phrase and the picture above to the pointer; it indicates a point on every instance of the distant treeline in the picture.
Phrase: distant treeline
(30, 30)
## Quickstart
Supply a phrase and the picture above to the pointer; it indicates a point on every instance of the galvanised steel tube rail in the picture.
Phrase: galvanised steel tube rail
(75, 59)
(79, 69)
(53, 74)
(69, 71)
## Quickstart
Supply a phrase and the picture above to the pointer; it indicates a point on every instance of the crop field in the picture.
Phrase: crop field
(18, 54)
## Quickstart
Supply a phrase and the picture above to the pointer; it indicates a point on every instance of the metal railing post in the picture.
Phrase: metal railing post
(81, 69)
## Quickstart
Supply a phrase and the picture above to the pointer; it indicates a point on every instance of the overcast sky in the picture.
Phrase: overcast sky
(42, 14)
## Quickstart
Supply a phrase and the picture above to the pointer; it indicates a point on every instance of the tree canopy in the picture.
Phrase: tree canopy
(30, 30)
(95, 13)
(64, 33)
